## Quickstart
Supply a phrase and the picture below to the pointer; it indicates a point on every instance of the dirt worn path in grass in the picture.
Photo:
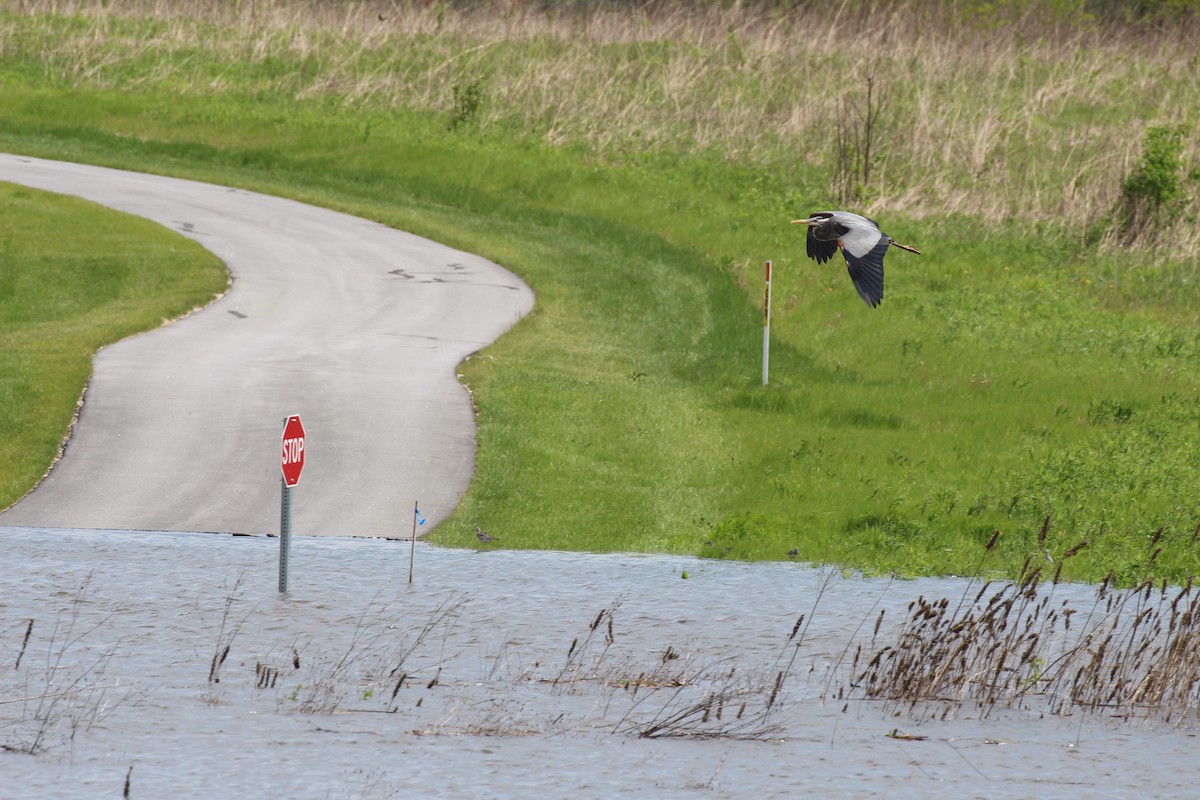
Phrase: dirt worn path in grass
(352, 325)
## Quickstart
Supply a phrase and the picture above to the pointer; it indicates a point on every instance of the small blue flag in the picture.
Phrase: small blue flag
(420, 519)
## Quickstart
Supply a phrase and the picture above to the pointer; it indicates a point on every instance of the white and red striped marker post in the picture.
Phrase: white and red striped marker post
(767, 325)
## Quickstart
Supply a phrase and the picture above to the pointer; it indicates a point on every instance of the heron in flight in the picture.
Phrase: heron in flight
(861, 242)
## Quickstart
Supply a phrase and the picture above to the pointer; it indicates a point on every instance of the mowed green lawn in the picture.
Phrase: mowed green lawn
(1016, 370)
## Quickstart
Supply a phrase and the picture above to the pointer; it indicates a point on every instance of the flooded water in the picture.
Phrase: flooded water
(166, 665)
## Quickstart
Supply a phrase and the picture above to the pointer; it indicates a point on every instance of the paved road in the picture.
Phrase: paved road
(352, 325)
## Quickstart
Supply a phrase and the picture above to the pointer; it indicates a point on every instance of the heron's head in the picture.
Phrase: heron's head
(814, 219)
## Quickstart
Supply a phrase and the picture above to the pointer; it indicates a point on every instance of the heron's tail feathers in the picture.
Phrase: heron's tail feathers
(894, 243)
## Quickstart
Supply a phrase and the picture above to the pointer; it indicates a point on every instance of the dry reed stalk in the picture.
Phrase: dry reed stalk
(228, 630)
(581, 664)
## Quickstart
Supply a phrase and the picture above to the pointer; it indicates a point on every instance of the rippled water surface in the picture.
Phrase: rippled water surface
(171, 662)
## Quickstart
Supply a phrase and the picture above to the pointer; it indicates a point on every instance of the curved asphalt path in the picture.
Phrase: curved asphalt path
(352, 325)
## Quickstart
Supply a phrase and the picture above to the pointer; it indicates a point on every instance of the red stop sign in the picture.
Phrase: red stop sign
(293, 450)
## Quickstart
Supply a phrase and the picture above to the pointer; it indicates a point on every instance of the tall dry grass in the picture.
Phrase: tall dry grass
(1025, 116)
(1133, 653)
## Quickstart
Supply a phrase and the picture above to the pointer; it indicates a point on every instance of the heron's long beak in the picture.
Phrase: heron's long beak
(808, 221)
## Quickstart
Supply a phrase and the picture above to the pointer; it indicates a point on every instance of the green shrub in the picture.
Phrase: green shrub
(1153, 194)
(468, 99)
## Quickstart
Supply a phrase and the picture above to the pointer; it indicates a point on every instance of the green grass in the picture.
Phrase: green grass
(74, 277)
(1016, 370)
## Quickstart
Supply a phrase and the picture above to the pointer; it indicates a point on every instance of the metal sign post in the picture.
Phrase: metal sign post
(767, 325)
(285, 535)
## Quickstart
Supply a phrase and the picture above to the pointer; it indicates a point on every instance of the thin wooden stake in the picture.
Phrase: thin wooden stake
(412, 553)
(766, 327)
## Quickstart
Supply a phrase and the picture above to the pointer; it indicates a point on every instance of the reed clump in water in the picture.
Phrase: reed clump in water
(1134, 653)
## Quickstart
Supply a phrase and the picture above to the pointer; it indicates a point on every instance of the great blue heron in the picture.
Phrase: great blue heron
(861, 242)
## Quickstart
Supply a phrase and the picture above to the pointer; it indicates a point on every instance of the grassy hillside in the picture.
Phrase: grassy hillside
(636, 167)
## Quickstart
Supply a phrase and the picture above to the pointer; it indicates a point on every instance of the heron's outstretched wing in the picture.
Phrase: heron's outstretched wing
(822, 250)
(860, 236)
(867, 272)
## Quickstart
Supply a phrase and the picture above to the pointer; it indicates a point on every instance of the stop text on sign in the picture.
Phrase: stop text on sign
(293, 451)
